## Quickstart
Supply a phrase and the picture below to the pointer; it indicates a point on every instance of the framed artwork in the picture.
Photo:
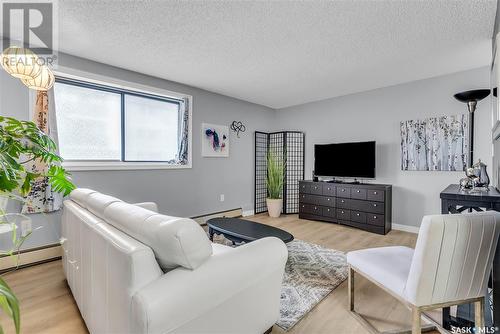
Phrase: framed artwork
(214, 140)
(435, 144)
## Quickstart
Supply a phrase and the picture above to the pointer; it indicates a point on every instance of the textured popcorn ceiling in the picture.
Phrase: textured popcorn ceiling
(282, 53)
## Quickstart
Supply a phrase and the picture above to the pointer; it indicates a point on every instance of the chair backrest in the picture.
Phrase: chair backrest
(453, 257)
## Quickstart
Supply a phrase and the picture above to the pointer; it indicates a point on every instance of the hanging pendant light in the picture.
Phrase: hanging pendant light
(43, 81)
(21, 63)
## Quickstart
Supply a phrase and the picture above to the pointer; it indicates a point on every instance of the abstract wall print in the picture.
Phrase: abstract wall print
(215, 140)
(435, 144)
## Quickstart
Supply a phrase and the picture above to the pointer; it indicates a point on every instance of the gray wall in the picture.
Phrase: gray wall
(375, 115)
(180, 192)
(372, 115)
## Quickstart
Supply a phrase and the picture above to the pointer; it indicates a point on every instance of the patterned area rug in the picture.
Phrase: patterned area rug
(312, 272)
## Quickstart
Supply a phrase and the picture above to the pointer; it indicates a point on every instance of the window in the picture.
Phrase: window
(102, 125)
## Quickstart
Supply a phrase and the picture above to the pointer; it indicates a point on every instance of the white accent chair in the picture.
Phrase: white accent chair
(450, 266)
(132, 270)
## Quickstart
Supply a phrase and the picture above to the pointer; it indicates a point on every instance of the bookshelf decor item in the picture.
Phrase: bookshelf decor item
(289, 146)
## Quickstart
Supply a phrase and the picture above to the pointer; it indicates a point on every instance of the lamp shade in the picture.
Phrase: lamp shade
(43, 81)
(21, 63)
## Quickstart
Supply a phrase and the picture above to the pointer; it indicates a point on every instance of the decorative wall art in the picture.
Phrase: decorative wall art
(238, 126)
(435, 144)
(215, 140)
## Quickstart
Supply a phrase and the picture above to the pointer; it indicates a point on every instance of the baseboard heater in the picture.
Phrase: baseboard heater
(29, 257)
(202, 219)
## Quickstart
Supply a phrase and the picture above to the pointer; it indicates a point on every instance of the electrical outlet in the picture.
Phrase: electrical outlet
(222, 197)
(25, 227)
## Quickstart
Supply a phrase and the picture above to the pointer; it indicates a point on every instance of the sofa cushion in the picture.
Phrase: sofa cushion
(389, 266)
(80, 196)
(97, 203)
(175, 241)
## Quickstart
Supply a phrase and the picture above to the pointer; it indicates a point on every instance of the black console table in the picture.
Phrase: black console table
(361, 205)
(454, 200)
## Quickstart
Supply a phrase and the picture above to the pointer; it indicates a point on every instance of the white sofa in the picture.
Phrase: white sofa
(132, 270)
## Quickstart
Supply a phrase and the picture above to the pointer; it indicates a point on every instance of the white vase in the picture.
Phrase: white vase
(274, 207)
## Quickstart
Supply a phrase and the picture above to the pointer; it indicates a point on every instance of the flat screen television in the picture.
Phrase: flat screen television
(350, 160)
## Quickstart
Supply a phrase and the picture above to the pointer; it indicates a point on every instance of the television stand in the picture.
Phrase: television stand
(364, 206)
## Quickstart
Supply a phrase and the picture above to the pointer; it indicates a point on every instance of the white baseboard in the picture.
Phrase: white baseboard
(405, 228)
(247, 213)
(30, 257)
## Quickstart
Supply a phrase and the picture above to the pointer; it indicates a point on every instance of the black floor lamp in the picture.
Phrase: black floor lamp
(471, 97)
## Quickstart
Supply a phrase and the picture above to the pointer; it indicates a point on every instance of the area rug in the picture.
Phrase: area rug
(312, 272)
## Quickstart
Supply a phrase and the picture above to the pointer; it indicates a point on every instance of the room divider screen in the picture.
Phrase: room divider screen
(290, 147)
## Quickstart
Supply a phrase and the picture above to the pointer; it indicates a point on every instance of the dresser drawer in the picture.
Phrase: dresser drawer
(329, 212)
(377, 220)
(304, 187)
(316, 188)
(304, 207)
(343, 214)
(328, 190)
(374, 207)
(356, 204)
(343, 203)
(358, 193)
(327, 201)
(304, 198)
(311, 199)
(343, 192)
(375, 195)
(316, 210)
(310, 208)
(359, 217)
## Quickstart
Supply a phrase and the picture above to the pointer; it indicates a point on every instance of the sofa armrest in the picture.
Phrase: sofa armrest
(151, 206)
(182, 295)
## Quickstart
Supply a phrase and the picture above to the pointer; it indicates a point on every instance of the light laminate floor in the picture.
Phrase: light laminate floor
(48, 307)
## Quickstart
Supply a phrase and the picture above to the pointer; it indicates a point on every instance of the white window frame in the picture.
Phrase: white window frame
(89, 165)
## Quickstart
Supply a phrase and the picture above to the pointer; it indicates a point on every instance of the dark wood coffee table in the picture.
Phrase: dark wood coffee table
(240, 230)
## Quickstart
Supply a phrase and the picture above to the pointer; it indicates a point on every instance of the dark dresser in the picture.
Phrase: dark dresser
(364, 206)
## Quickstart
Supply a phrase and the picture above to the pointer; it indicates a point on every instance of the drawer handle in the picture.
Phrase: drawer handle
(328, 200)
(343, 189)
(315, 208)
(374, 217)
(357, 191)
(303, 206)
(342, 211)
(328, 188)
(357, 214)
(328, 210)
(315, 187)
(375, 205)
(374, 193)
(342, 201)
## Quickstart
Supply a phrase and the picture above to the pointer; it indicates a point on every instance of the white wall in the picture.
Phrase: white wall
(375, 115)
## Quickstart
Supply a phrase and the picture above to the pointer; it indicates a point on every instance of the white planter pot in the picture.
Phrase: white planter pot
(274, 207)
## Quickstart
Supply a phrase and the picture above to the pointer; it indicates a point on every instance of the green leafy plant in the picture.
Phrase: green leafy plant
(275, 175)
(21, 143)
(10, 305)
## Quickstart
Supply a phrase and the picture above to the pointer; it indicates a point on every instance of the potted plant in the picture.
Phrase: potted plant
(21, 142)
(274, 183)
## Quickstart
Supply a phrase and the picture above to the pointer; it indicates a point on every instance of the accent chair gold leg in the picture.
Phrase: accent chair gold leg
(479, 313)
(350, 289)
(415, 323)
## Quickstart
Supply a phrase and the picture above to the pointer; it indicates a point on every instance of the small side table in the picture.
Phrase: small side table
(454, 200)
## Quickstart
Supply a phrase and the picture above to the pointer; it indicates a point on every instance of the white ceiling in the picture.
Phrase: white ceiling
(282, 53)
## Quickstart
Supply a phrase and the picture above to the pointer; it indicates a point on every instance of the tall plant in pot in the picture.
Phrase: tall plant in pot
(21, 142)
(274, 183)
